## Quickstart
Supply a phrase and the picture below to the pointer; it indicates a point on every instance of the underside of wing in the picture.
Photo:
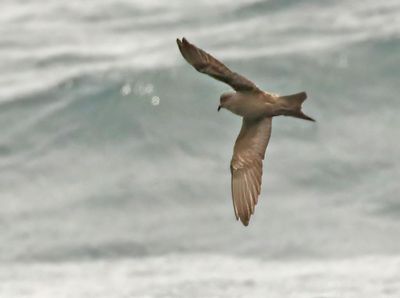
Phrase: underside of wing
(246, 166)
(205, 63)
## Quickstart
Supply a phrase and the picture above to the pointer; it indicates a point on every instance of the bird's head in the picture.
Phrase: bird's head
(225, 100)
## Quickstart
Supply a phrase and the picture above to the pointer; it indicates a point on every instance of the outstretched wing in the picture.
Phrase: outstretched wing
(246, 166)
(205, 63)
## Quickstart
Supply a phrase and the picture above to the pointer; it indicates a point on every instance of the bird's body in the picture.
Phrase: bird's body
(250, 105)
(257, 108)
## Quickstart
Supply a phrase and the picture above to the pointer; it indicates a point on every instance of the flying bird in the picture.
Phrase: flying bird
(256, 107)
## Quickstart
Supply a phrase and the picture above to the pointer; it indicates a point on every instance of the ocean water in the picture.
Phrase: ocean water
(114, 163)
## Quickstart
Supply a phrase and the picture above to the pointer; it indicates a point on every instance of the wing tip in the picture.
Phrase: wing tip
(180, 47)
(181, 41)
(245, 221)
(184, 47)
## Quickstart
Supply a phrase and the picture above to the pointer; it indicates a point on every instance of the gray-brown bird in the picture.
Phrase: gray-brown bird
(257, 108)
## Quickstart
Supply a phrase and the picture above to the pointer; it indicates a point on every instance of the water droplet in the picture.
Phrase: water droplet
(149, 88)
(143, 88)
(155, 100)
(126, 89)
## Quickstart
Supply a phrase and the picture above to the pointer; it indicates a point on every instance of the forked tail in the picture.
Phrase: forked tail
(291, 105)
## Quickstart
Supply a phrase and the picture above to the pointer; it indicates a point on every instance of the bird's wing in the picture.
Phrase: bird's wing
(205, 63)
(246, 166)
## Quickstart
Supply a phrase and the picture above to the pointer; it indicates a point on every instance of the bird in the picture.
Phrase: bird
(257, 108)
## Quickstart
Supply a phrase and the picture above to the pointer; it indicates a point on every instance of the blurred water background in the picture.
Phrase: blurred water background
(114, 163)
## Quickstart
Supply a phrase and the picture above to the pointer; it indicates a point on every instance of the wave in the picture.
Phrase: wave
(108, 134)
(248, 30)
(205, 276)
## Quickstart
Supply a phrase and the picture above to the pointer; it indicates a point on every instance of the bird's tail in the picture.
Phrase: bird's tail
(291, 105)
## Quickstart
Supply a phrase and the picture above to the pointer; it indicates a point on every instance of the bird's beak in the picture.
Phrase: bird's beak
(219, 107)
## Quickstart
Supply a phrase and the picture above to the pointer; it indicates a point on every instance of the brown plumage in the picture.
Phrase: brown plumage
(257, 108)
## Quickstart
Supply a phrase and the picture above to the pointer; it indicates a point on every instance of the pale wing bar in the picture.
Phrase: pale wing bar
(205, 63)
(246, 166)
